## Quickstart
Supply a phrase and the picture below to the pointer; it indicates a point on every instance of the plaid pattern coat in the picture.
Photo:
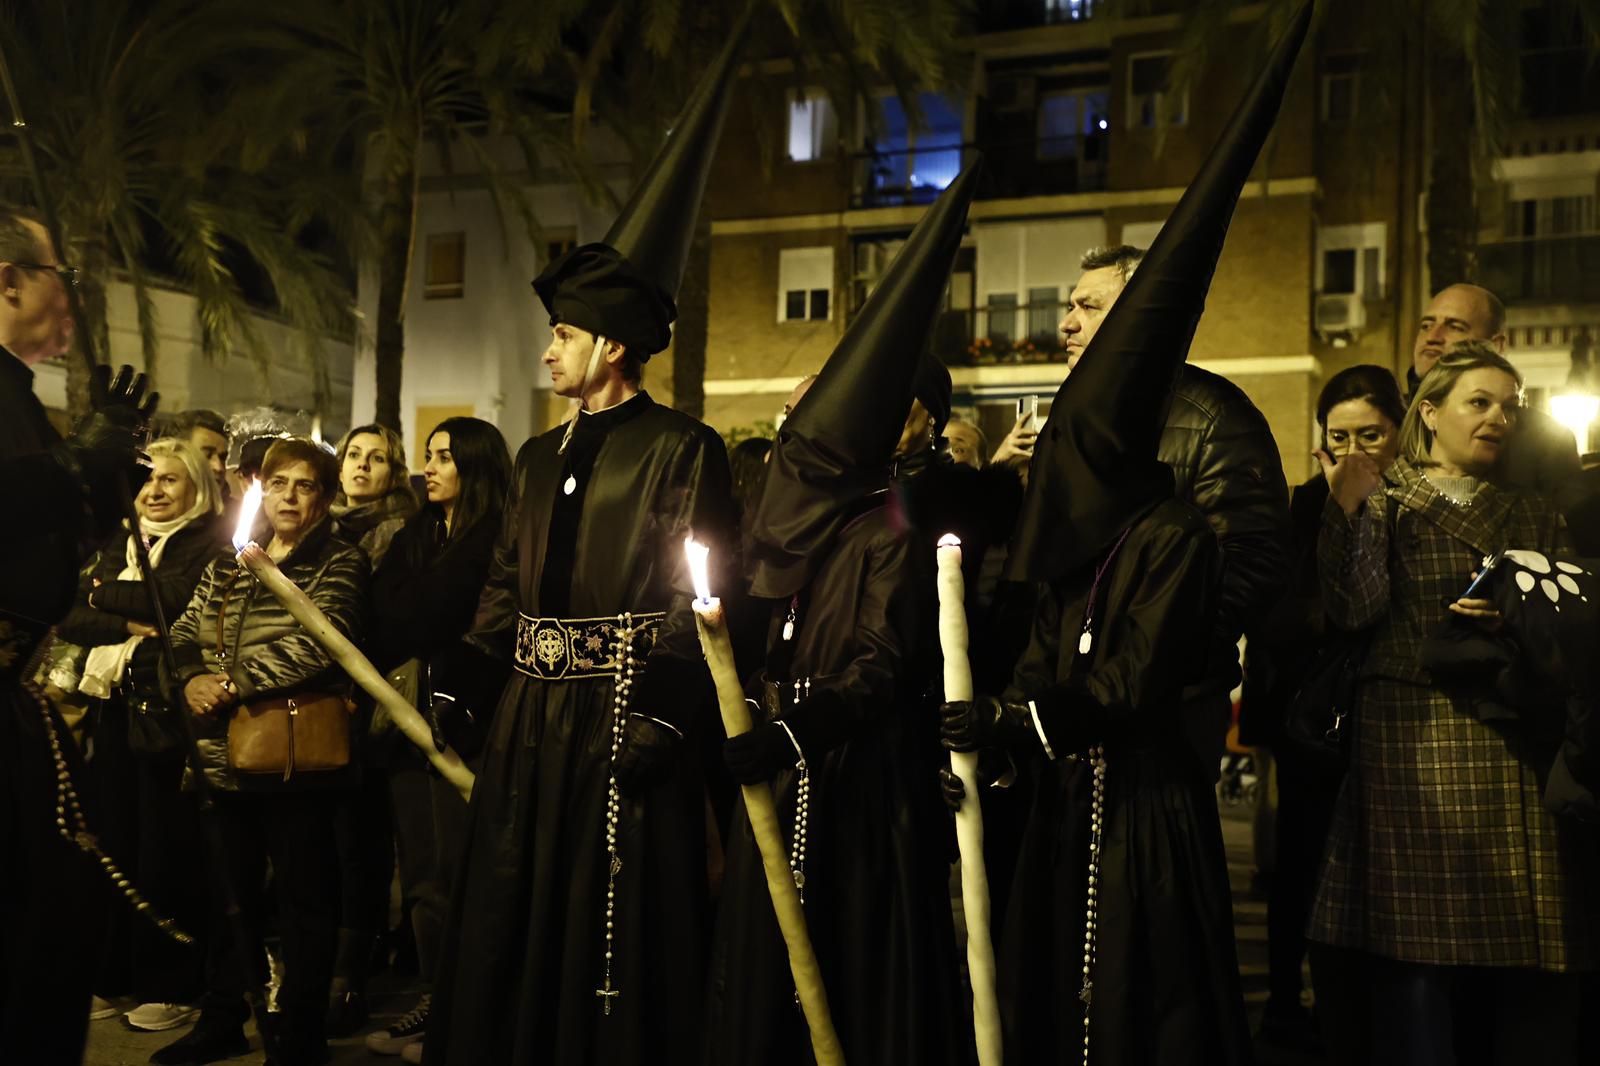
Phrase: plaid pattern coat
(1441, 850)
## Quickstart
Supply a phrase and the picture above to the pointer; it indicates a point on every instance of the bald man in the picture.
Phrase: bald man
(1543, 457)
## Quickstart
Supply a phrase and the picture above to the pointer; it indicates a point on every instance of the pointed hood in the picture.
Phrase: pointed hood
(1094, 469)
(835, 450)
(625, 287)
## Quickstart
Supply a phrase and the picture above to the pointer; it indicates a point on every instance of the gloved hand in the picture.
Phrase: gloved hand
(759, 755)
(951, 787)
(646, 755)
(453, 725)
(967, 725)
(107, 443)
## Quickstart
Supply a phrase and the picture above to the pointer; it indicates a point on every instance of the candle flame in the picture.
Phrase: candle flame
(247, 515)
(699, 562)
(949, 540)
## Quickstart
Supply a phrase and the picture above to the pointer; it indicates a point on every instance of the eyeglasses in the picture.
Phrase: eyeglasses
(68, 274)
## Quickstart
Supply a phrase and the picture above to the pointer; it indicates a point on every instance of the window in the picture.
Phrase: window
(805, 284)
(1069, 10)
(1002, 320)
(1044, 313)
(558, 242)
(1341, 88)
(1072, 124)
(1350, 260)
(811, 125)
(445, 276)
(1151, 100)
(911, 163)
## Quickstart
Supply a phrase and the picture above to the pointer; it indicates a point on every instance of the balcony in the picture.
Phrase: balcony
(999, 334)
(1542, 269)
(1033, 167)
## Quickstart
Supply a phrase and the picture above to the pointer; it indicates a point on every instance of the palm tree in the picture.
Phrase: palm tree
(1470, 82)
(117, 113)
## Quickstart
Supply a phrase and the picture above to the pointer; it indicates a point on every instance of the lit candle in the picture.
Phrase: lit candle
(969, 819)
(712, 625)
(358, 666)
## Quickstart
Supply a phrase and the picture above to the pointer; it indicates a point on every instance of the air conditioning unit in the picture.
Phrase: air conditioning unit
(1338, 314)
(1012, 93)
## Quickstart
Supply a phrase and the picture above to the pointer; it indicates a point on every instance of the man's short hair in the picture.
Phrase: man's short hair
(186, 422)
(18, 243)
(1124, 258)
(1497, 312)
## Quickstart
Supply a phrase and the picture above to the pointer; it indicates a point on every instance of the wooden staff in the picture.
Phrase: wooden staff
(969, 819)
(711, 623)
(358, 666)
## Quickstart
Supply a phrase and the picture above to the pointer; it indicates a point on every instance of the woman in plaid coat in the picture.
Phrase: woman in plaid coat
(1465, 907)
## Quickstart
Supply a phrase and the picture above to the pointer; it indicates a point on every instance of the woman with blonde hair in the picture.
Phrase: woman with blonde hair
(1463, 906)
(148, 823)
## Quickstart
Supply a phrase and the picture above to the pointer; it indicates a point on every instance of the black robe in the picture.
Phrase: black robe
(876, 889)
(48, 926)
(524, 954)
(1166, 980)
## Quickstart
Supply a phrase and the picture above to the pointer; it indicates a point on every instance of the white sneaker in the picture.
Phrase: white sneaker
(159, 1017)
(412, 1053)
(101, 1009)
(401, 1035)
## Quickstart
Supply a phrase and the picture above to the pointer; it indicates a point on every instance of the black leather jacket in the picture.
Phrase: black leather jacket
(1225, 462)
(266, 650)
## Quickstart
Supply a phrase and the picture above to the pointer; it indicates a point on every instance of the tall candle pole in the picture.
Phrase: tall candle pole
(969, 819)
(711, 623)
(346, 654)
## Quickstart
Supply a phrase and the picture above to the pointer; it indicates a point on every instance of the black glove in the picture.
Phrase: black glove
(759, 755)
(952, 788)
(453, 725)
(967, 725)
(645, 758)
(107, 444)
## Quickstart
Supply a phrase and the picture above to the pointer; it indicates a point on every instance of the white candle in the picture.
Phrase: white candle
(969, 819)
(711, 623)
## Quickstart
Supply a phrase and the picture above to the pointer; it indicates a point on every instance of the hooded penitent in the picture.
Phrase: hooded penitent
(835, 449)
(625, 287)
(1094, 469)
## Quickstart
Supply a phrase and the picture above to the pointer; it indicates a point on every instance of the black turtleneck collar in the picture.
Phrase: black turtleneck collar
(20, 372)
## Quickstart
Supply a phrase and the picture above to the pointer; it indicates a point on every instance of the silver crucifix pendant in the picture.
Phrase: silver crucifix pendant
(607, 994)
(1087, 992)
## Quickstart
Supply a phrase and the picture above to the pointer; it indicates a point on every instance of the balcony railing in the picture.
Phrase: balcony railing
(1034, 167)
(999, 334)
(1549, 269)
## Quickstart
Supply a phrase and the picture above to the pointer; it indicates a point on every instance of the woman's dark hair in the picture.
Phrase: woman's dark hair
(1374, 384)
(482, 463)
(748, 462)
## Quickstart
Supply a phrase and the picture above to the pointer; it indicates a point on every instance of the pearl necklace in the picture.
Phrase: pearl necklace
(1097, 760)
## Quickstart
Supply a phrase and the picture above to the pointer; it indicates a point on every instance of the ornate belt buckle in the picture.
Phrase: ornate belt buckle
(549, 647)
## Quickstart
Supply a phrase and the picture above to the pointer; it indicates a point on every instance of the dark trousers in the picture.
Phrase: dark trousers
(295, 832)
(363, 825)
(430, 825)
(1375, 1011)
(1306, 796)
(50, 916)
(175, 877)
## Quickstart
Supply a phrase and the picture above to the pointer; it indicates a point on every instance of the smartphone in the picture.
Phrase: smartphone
(1028, 408)
(1489, 563)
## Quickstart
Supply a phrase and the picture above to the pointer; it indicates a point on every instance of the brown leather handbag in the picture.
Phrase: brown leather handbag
(290, 733)
(297, 731)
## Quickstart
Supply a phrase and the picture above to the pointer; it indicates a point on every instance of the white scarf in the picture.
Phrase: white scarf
(106, 663)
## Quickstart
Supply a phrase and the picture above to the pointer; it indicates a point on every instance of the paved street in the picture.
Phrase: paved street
(110, 1044)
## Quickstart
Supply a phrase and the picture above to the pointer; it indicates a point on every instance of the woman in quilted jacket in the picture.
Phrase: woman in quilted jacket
(1465, 910)
(240, 656)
